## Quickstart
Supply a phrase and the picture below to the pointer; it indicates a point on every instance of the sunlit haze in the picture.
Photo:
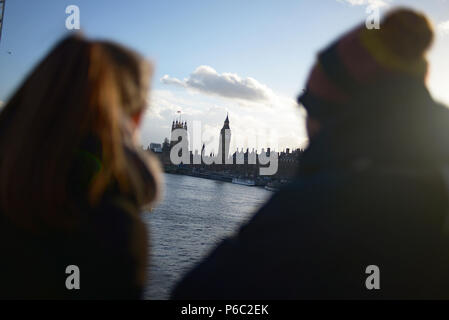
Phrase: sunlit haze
(246, 58)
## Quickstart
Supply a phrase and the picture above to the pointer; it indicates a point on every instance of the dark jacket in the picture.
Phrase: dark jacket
(108, 245)
(371, 191)
(34, 266)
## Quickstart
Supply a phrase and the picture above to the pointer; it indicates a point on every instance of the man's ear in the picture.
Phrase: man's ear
(313, 127)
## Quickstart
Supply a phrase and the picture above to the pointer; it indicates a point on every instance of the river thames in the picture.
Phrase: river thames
(194, 215)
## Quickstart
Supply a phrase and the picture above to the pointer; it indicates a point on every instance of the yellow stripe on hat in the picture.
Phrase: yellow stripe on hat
(372, 42)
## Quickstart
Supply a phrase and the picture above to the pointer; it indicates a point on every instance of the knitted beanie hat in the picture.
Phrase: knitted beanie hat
(364, 57)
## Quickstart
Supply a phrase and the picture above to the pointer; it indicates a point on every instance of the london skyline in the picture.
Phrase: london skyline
(213, 145)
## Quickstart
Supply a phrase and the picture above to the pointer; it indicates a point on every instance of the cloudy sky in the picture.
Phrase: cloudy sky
(246, 58)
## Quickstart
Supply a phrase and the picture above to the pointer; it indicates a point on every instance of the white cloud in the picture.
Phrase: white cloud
(372, 3)
(260, 117)
(229, 85)
(443, 27)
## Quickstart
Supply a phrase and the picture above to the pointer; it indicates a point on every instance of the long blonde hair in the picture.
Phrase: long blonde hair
(81, 88)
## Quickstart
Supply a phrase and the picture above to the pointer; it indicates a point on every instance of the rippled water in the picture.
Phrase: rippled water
(193, 217)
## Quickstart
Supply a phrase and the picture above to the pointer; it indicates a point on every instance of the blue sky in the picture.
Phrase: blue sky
(272, 42)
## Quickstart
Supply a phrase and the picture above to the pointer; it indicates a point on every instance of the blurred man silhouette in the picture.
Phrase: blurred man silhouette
(371, 189)
(72, 178)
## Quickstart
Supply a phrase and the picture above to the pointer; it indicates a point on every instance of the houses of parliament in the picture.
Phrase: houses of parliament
(237, 164)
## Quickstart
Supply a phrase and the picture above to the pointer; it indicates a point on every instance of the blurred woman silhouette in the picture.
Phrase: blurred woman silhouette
(72, 180)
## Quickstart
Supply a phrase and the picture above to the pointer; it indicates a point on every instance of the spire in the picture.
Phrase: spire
(226, 123)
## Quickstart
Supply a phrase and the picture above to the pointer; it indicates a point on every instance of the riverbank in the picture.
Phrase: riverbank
(269, 182)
